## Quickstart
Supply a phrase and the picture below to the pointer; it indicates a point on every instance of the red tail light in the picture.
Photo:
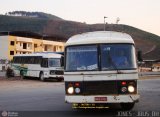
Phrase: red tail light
(123, 83)
(77, 84)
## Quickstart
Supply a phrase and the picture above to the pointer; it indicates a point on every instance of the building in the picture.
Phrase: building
(156, 67)
(12, 43)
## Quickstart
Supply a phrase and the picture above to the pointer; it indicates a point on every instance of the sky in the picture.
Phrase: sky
(142, 14)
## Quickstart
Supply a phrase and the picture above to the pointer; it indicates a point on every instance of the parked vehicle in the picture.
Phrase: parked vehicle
(40, 65)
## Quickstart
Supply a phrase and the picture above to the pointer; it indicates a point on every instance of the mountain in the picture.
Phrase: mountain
(147, 42)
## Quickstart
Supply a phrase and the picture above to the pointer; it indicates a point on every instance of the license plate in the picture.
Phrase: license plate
(100, 98)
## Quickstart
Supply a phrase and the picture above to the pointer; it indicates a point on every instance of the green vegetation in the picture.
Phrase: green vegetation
(12, 23)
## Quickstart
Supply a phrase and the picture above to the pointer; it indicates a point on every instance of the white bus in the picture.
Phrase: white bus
(100, 68)
(40, 65)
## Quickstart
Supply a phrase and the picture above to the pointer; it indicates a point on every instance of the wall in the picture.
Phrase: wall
(11, 47)
(4, 47)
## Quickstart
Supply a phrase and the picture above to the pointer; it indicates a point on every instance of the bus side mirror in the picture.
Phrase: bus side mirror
(139, 56)
(62, 60)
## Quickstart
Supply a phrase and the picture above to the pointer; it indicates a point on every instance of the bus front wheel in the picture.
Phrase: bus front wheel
(22, 74)
(127, 106)
(41, 76)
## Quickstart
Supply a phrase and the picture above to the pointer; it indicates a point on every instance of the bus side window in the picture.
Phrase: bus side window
(32, 60)
(62, 61)
(37, 60)
(21, 60)
(44, 62)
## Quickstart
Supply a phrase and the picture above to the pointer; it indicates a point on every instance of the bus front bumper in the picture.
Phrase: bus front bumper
(103, 99)
(56, 77)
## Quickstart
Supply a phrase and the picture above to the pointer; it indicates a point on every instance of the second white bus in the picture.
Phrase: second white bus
(40, 65)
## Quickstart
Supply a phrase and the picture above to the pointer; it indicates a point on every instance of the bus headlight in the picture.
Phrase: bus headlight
(52, 72)
(70, 90)
(131, 89)
(77, 90)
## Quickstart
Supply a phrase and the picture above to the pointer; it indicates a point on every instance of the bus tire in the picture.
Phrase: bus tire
(127, 106)
(22, 74)
(41, 76)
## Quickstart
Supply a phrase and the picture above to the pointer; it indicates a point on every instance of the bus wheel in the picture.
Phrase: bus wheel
(22, 74)
(41, 76)
(127, 106)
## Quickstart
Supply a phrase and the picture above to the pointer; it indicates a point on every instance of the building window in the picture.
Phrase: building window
(11, 52)
(35, 45)
(12, 43)
(60, 48)
(54, 49)
(24, 45)
(45, 48)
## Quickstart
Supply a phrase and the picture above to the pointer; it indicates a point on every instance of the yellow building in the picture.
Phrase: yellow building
(12, 45)
(156, 67)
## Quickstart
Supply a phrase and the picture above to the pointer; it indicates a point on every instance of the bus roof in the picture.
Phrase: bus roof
(99, 37)
(62, 53)
(44, 55)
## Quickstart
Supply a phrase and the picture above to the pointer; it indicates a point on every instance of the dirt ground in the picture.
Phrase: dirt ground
(18, 82)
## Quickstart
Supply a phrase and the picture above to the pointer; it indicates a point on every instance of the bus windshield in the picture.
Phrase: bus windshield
(54, 62)
(100, 57)
(82, 58)
(117, 56)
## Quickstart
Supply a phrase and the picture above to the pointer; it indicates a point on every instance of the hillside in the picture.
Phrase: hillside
(33, 14)
(13, 23)
(145, 41)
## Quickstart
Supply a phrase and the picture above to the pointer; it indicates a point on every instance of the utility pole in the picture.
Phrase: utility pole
(117, 20)
(105, 23)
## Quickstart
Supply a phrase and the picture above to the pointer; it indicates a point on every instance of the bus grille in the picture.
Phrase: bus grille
(100, 88)
(59, 72)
